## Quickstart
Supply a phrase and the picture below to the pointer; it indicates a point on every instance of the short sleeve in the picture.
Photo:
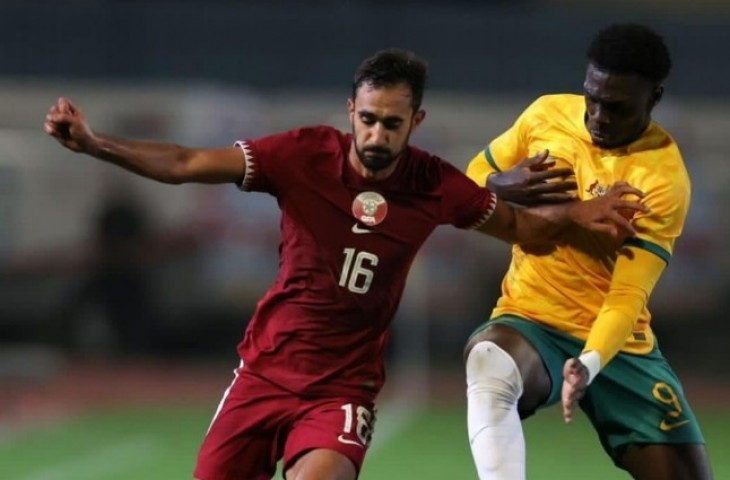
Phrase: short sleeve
(274, 162)
(505, 151)
(511, 146)
(668, 199)
(465, 204)
(264, 158)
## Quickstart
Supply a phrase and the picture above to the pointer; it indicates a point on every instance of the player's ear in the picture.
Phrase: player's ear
(657, 94)
(350, 107)
(418, 117)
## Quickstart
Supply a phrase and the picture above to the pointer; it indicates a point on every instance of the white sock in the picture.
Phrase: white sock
(494, 386)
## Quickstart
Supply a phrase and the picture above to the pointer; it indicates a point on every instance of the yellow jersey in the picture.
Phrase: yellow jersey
(564, 286)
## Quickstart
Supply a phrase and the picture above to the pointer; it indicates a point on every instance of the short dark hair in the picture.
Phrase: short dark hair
(631, 49)
(391, 67)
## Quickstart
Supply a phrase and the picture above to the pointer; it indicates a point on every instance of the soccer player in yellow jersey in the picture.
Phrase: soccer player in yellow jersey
(572, 323)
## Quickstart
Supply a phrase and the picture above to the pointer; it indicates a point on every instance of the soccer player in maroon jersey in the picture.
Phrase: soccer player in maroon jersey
(355, 209)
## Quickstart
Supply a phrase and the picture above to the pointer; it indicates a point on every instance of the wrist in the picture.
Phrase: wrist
(592, 361)
(95, 145)
(575, 211)
(491, 181)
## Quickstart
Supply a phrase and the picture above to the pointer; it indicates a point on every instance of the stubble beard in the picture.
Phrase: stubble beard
(380, 159)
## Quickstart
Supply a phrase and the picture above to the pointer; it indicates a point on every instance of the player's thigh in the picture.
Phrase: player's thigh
(667, 462)
(518, 338)
(638, 401)
(246, 436)
(330, 435)
(322, 464)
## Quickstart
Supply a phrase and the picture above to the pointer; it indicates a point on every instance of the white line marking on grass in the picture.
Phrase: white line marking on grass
(100, 463)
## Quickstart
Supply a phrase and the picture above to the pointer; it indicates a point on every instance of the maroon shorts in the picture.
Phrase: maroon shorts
(259, 423)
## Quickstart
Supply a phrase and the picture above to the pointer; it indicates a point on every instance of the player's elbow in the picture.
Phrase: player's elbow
(182, 169)
(171, 178)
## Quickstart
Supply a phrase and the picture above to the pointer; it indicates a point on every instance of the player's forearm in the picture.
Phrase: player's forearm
(541, 224)
(634, 278)
(159, 161)
(615, 323)
(527, 225)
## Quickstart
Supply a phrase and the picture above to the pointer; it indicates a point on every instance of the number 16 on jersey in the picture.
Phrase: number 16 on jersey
(357, 274)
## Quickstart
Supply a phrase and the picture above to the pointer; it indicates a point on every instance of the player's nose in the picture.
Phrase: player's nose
(379, 136)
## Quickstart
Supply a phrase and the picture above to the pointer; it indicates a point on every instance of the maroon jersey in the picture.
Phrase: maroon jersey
(347, 244)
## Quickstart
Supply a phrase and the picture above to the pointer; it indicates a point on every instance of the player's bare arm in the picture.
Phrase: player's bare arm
(164, 162)
(606, 214)
(533, 181)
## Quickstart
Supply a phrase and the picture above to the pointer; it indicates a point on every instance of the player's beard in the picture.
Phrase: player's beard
(377, 158)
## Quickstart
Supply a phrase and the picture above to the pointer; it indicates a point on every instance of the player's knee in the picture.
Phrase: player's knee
(490, 369)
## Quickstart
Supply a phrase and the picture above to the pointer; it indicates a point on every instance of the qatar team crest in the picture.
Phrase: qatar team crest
(370, 208)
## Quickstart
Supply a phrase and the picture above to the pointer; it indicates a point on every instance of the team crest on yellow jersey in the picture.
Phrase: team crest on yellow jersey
(596, 189)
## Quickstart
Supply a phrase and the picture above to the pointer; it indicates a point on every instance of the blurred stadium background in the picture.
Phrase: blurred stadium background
(122, 300)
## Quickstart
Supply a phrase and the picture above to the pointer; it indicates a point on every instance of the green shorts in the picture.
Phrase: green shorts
(636, 399)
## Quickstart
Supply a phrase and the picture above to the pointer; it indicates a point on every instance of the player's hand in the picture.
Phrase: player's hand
(527, 182)
(610, 213)
(575, 383)
(67, 124)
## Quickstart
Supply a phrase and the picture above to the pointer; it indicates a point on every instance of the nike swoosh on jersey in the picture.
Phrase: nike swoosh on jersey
(356, 229)
(346, 441)
(667, 426)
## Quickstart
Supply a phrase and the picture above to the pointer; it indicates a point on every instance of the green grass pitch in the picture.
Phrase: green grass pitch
(150, 443)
